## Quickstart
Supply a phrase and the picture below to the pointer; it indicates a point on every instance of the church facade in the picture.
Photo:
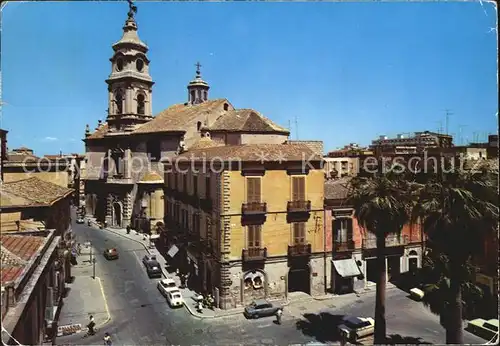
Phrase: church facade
(124, 180)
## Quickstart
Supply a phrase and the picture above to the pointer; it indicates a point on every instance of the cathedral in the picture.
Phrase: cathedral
(124, 182)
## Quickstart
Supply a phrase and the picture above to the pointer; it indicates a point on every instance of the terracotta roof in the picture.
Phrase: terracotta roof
(176, 117)
(316, 146)
(17, 251)
(8, 199)
(337, 188)
(253, 152)
(99, 132)
(37, 191)
(205, 142)
(245, 120)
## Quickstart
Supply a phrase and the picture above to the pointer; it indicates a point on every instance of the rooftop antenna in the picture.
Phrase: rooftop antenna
(296, 128)
(447, 113)
(460, 136)
(440, 127)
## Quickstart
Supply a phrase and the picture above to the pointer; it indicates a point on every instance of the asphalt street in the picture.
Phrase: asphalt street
(141, 316)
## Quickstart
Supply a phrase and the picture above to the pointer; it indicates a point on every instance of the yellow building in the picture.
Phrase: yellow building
(248, 219)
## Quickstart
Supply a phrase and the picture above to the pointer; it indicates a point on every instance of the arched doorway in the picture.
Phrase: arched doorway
(117, 214)
(299, 279)
(412, 261)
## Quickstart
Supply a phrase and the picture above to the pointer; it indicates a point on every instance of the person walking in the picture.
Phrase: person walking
(279, 313)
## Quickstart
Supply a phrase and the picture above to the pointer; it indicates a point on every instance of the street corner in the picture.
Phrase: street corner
(86, 297)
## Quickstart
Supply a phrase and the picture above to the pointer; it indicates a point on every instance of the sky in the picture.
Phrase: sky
(337, 72)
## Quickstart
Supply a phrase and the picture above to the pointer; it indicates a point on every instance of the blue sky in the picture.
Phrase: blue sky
(347, 71)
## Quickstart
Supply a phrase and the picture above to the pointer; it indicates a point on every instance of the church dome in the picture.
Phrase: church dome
(151, 177)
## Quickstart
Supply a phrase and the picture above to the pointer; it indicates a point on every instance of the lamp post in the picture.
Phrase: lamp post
(93, 268)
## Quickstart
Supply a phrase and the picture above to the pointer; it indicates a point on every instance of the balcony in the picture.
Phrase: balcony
(343, 246)
(394, 246)
(299, 250)
(254, 254)
(298, 206)
(254, 208)
(118, 179)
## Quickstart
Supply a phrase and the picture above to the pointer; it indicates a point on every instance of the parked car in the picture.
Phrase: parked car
(80, 220)
(356, 328)
(260, 308)
(174, 298)
(167, 285)
(111, 254)
(147, 258)
(487, 330)
(153, 268)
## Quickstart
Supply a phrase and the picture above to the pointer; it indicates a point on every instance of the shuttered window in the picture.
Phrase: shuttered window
(343, 229)
(254, 234)
(253, 189)
(299, 232)
(298, 188)
(195, 185)
(184, 183)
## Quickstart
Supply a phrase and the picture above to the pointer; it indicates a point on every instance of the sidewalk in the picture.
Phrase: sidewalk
(85, 297)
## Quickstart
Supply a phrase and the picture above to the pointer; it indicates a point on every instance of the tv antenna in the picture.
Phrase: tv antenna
(296, 128)
(447, 119)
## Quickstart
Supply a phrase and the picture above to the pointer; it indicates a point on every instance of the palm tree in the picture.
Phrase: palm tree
(456, 209)
(382, 205)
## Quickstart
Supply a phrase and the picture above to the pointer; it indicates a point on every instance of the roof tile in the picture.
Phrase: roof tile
(36, 190)
(337, 188)
(245, 120)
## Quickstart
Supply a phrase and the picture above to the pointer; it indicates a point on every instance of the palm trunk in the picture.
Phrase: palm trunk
(454, 327)
(380, 327)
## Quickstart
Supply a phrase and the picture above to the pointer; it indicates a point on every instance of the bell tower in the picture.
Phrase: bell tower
(130, 86)
(197, 88)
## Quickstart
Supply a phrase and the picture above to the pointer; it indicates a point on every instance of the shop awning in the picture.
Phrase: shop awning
(346, 267)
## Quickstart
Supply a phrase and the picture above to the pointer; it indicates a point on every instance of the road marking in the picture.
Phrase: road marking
(432, 331)
(105, 302)
(264, 325)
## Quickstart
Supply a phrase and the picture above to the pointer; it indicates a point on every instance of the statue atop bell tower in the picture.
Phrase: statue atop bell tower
(130, 85)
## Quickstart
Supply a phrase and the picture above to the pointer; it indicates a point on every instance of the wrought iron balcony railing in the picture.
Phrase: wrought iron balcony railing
(390, 241)
(299, 250)
(254, 254)
(254, 208)
(299, 206)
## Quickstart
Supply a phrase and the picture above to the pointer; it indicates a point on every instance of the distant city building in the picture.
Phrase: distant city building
(344, 162)
(411, 143)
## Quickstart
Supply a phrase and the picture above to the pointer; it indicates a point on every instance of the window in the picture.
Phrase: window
(139, 64)
(154, 150)
(195, 185)
(254, 234)
(198, 126)
(253, 190)
(299, 233)
(193, 226)
(184, 183)
(193, 96)
(119, 102)
(208, 191)
(119, 65)
(343, 229)
(298, 188)
(141, 104)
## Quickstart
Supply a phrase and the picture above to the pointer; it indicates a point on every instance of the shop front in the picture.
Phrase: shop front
(345, 270)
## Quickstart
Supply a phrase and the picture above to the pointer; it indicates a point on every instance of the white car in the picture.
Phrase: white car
(355, 328)
(174, 298)
(166, 285)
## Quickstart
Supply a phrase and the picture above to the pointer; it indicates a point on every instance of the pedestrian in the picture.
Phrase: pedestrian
(91, 326)
(79, 249)
(279, 312)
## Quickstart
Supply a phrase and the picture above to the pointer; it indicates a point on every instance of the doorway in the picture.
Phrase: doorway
(117, 214)
(299, 279)
(393, 267)
(371, 270)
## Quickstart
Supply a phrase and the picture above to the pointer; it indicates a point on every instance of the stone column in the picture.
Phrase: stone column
(129, 100)
(149, 104)
(126, 163)
(109, 210)
(127, 210)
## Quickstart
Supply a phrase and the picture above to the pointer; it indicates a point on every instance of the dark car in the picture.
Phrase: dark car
(80, 220)
(260, 308)
(111, 254)
(153, 268)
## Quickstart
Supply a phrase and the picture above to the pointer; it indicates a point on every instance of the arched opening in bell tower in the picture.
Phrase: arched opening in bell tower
(119, 102)
(141, 100)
